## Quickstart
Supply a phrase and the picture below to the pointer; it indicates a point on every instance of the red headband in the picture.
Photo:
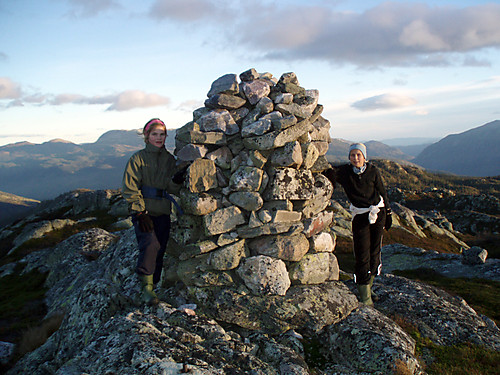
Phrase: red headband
(155, 121)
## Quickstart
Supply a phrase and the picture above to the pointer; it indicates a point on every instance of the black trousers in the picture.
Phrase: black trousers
(367, 244)
(152, 246)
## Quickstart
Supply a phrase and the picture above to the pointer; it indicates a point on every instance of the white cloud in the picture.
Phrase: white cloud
(384, 102)
(185, 10)
(9, 89)
(391, 33)
(123, 101)
(91, 8)
(137, 99)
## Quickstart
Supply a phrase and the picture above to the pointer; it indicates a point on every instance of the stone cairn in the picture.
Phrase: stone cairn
(254, 201)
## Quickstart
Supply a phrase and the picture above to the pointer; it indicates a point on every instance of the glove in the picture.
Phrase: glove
(179, 177)
(145, 222)
(388, 219)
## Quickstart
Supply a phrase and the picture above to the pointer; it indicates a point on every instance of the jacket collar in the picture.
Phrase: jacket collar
(152, 148)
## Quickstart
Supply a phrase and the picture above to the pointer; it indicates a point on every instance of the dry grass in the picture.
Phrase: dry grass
(34, 337)
(400, 368)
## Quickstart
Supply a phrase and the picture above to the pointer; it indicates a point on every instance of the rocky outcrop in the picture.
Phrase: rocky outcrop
(232, 330)
(471, 263)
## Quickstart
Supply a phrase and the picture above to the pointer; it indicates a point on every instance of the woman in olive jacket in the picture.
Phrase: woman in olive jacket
(371, 212)
(147, 183)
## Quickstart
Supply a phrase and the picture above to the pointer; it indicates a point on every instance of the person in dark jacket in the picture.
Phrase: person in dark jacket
(148, 180)
(371, 212)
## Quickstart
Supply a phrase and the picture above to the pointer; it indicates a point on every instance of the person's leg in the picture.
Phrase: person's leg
(162, 231)
(361, 248)
(146, 262)
(148, 250)
(376, 235)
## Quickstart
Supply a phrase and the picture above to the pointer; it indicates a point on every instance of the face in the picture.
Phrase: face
(157, 136)
(356, 158)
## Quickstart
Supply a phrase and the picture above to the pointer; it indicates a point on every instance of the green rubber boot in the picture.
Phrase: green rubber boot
(365, 295)
(148, 294)
(374, 296)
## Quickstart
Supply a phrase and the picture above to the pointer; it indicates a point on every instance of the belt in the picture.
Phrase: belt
(154, 193)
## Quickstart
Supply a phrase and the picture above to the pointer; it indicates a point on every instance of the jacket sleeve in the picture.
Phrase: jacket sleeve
(131, 185)
(172, 187)
(331, 174)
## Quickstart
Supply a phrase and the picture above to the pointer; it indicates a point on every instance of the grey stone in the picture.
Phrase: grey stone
(256, 128)
(310, 154)
(269, 228)
(218, 120)
(289, 155)
(225, 101)
(320, 199)
(264, 275)
(248, 200)
(246, 179)
(191, 152)
(317, 223)
(292, 133)
(265, 105)
(228, 257)
(223, 220)
(289, 183)
(201, 176)
(227, 83)
(255, 90)
(249, 75)
(289, 248)
(322, 242)
(221, 157)
(369, 342)
(198, 204)
(313, 269)
(474, 255)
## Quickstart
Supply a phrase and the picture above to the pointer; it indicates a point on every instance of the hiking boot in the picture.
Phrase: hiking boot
(374, 296)
(148, 294)
(365, 294)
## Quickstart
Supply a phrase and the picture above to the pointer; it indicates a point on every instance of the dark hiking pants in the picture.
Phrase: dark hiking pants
(152, 246)
(367, 241)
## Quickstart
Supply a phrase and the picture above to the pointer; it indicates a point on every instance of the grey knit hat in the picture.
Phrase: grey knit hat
(358, 146)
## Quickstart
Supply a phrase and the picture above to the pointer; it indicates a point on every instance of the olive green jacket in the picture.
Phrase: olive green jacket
(153, 167)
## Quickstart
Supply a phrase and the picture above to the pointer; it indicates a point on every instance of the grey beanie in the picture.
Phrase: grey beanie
(358, 146)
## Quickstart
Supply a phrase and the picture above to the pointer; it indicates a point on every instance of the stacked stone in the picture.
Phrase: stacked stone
(253, 200)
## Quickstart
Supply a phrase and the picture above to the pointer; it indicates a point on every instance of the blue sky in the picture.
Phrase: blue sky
(74, 69)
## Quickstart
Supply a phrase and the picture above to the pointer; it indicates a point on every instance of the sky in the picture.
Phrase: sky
(74, 69)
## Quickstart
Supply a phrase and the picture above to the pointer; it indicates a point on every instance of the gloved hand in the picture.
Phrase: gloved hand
(388, 219)
(145, 222)
(179, 177)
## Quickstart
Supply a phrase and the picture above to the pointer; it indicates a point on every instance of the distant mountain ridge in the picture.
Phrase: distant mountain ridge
(43, 171)
(471, 153)
(339, 151)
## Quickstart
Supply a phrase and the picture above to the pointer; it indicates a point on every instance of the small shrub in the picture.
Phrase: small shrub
(464, 359)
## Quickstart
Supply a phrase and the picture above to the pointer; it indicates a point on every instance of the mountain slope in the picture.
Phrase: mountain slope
(339, 150)
(13, 207)
(471, 153)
